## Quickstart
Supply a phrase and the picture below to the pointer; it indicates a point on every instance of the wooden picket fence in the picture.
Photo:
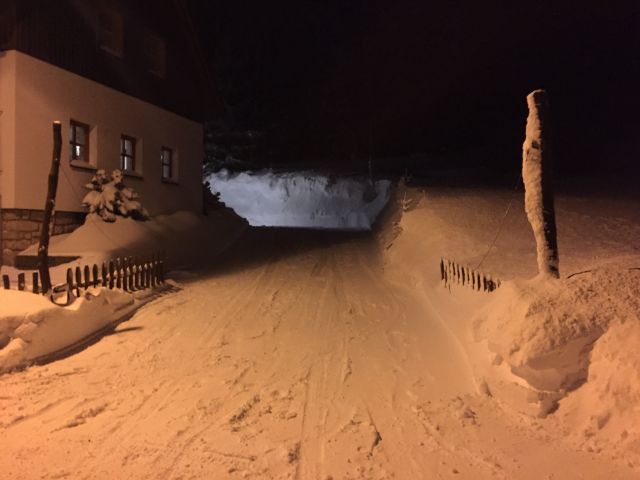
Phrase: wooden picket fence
(128, 273)
(22, 283)
(452, 272)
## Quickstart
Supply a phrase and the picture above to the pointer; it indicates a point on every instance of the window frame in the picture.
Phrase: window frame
(73, 142)
(155, 54)
(171, 166)
(131, 156)
(111, 31)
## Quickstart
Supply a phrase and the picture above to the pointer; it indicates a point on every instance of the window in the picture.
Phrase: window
(155, 54)
(127, 154)
(79, 142)
(111, 32)
(166, 163)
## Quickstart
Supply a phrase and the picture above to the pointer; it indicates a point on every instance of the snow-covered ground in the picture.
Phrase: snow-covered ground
(32, 328)
(317, 354)
(302, 199)
(180, 238)
(564, 347)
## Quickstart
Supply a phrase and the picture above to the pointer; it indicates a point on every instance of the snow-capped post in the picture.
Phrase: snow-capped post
(49, 207)
(537, 175)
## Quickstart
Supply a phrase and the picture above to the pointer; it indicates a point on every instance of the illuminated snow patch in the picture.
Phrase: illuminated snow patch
(302, 199)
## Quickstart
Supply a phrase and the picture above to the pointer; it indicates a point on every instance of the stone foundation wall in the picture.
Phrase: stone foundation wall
(20, 228)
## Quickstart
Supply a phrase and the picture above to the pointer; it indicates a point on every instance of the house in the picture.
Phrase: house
(127, 82)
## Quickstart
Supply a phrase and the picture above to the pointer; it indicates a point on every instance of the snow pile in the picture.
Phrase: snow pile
(187, 239)
(576, 342)
(32, 327)
(302, 199)
(545, 329)
(606, 409)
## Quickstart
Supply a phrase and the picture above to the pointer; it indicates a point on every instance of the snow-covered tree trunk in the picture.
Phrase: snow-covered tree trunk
(49, 207)
(538, 183)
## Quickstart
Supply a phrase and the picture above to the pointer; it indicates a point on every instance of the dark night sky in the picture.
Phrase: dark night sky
(328, 79)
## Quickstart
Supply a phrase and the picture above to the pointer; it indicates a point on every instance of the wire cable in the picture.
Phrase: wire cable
(501, 225)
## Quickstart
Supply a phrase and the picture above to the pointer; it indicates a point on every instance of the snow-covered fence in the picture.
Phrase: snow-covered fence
(127, 273)
(452, 272)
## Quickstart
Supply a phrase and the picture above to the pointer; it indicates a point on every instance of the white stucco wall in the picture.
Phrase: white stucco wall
(7, 126)
(43, 93)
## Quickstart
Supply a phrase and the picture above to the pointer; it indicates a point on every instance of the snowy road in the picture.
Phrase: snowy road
(294, 358)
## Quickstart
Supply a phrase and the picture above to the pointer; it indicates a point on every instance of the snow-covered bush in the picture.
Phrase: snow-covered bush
(110, 197)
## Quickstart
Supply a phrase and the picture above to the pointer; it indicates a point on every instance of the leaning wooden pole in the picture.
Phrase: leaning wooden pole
(537, 174)
(49, 207)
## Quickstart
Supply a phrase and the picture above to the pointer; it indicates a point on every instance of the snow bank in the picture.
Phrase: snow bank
(569, 345)
(32, 327)
(606, 409)
(302, 199)
(545, 330)
(186, 238)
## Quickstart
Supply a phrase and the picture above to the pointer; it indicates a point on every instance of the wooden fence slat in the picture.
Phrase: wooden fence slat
(94, 271)
(154, 276)
(104, 275)
(112, 270)
(125, 269)
(125, 273)
(87, 277)
(129, 274)
(78, 281)
(143, 272)
(69, 280)
(139, 276)
(453, 272)
(118, 272)
(148, 280)
(34, 283)
(134, 274)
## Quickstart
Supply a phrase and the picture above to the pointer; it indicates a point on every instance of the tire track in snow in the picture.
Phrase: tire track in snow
(319, 371)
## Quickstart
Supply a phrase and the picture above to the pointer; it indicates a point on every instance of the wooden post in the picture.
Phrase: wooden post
(21, 281)
(49, 206)
(537, 175)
